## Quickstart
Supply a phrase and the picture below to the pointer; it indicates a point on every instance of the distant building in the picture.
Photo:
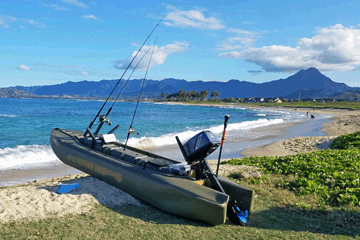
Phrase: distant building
(277, 100)
(250, 100)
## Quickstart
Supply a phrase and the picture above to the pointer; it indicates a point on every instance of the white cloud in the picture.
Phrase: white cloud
(75, 3)
(55, 6)
(241, 31)
(55, 66)
(77, 73)
(70, 70)
(191, 18)
(89, 17)
(35, 24)
(5, 20)
(23, 67)
(158, 58)
(336, 48)
(243, 37)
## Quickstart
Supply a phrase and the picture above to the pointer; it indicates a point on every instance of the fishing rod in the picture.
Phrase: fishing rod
(103, 118)
(131, 130)
(222, 142)
(93, 121)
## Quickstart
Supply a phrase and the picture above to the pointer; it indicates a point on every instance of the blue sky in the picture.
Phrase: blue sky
(45, 42)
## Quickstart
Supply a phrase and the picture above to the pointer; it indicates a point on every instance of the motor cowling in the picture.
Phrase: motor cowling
(200, 146)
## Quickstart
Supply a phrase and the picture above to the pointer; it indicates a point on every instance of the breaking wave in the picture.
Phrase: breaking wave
(7, 115)
(169, 139)
(25, 156)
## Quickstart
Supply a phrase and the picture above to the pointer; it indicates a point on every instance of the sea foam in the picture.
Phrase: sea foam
(7, 115)
(169, 139)
(26, 156)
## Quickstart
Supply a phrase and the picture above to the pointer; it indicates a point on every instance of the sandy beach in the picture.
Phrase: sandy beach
(39, 199)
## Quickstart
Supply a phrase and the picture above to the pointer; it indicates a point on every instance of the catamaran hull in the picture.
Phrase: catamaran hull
(173, 194)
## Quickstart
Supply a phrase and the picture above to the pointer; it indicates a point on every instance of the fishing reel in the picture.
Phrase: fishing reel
(131, 130)
(103, 119)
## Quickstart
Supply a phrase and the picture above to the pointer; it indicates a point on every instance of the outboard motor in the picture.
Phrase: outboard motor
(195, 151)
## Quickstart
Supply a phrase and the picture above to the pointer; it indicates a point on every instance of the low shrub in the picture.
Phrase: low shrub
(333, 175)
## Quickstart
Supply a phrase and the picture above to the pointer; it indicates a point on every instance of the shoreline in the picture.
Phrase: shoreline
(269, 141)
(38, 199)
(233, 148)
(342, 122)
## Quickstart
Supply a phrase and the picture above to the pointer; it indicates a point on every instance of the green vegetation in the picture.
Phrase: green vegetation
(186, 96)
(195, 97)
(348, 141)
(332, 175)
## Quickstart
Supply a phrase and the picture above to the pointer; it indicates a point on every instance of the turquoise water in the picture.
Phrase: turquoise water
(25, 124)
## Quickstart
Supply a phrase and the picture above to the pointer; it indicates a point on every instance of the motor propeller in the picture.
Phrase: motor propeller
(235, 215)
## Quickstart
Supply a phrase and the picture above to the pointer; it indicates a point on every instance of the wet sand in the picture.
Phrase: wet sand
(18, 176)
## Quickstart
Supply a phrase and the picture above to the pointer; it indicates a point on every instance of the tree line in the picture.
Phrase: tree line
(193, 95)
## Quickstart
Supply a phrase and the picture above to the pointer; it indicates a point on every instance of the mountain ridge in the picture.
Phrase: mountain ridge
(303, 80)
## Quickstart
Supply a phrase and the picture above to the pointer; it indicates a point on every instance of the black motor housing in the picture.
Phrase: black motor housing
(200, 146)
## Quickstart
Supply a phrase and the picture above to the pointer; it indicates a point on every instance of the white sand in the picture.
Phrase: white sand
(41, 200)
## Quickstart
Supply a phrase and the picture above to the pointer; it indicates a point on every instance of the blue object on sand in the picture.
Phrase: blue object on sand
(67, 188)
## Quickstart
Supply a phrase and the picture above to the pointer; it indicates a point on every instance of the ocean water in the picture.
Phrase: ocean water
(25, 125)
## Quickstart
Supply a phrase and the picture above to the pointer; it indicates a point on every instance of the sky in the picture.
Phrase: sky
(45, 42)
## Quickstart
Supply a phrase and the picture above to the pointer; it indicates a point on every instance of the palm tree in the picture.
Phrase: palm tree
(204, 94)
(163, 95)
(215, 94)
